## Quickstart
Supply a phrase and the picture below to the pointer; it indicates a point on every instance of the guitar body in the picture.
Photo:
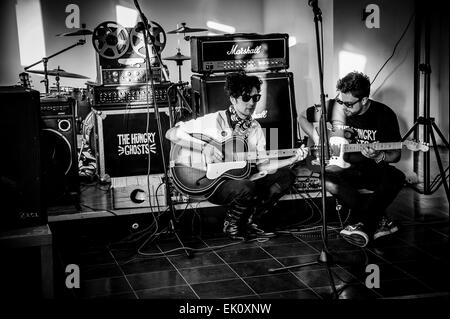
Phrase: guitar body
(189, 170)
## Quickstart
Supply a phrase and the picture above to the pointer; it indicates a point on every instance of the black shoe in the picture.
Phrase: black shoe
(253, 228)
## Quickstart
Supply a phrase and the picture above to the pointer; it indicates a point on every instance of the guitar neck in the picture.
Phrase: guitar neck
(351, 148)
(251, 156)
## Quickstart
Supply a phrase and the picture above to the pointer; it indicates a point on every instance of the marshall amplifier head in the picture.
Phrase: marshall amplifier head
(240, 51)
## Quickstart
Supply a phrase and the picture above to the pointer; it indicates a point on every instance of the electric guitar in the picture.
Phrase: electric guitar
(192, 176)
(338, 146)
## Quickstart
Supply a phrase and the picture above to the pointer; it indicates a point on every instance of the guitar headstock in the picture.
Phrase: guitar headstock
(25, 80)
(416, 146)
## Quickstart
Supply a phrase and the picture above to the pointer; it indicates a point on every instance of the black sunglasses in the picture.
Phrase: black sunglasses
(255, 98)
(347, 104)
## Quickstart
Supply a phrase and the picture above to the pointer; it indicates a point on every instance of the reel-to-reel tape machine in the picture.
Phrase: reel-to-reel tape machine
(121, 53)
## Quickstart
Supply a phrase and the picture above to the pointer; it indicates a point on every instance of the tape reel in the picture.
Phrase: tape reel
(159, 38)
(110, 40)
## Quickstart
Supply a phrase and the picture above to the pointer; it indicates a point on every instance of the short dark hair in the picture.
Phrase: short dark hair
(357, 83)
(239, 83)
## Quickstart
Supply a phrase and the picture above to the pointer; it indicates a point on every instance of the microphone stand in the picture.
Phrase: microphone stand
(325, 257)
(148, 36)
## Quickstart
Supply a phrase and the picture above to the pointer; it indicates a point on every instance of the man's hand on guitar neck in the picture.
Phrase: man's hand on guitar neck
(300, 155)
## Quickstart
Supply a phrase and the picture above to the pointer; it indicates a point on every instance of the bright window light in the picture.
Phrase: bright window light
(126, 17)
(30, 31)
(220, 27)
(292, 41)
(349, 62)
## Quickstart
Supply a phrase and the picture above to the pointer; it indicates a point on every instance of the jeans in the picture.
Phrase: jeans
(261, 193)
(385, 180)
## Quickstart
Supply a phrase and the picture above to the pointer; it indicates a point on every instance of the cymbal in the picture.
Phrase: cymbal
(177, 57)
(185, 29)
(75, 33)
(59, 72)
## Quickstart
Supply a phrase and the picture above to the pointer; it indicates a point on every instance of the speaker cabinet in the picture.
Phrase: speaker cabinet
(20, 171)
(126, 146)
(276, 111)
(59, 152)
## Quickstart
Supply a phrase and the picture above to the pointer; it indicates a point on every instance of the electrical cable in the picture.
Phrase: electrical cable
(395, 47)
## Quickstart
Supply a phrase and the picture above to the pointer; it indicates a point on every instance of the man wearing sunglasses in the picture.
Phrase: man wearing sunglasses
(370, 121)
(246, 200)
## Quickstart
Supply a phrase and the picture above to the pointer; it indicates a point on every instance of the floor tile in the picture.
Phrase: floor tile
(197, 260)
(402, 287)
(254, 268)
(291, 294)
(207, 274)
(396, 254)
(178, 292)
(156, 279)
(320, 278)
(355, 291)
(288, 250)
(100, 271)
(222, 289)
(103, 286)
(231, 256)
(274, 283)
(142, 265)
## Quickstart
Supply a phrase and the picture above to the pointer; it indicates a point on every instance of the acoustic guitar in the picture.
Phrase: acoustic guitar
(192, 176)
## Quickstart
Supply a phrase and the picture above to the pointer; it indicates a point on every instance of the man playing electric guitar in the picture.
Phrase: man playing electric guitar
(245, 199)
(370, 168)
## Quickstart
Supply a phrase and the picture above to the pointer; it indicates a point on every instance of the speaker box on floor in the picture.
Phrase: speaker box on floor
(20, 161)
(59, 154)
(276, 111)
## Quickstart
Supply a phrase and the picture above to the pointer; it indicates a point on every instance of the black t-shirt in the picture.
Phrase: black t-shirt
(378, 124)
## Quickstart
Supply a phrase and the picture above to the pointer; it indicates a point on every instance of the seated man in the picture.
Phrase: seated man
(244, 199)
(370, 121)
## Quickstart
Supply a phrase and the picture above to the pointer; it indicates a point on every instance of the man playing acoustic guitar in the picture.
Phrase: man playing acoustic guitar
(371, 122)
(245, 199)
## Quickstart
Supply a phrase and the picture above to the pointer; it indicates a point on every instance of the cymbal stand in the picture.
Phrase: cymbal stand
(147, 36)
(44, 61)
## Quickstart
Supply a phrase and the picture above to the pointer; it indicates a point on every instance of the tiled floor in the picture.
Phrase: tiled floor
(413, 263)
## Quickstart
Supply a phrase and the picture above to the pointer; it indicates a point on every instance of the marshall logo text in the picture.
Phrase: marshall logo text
(236, 50)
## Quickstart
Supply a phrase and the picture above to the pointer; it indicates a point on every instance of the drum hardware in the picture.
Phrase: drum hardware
(179, 58)
(83, 31)
(184, 29)
(58, 72)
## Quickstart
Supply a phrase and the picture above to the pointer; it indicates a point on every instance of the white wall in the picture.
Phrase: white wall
(296, 18)
(245, 16)
(394, 85)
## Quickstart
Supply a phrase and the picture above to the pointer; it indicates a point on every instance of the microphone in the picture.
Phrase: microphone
(314, 4)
